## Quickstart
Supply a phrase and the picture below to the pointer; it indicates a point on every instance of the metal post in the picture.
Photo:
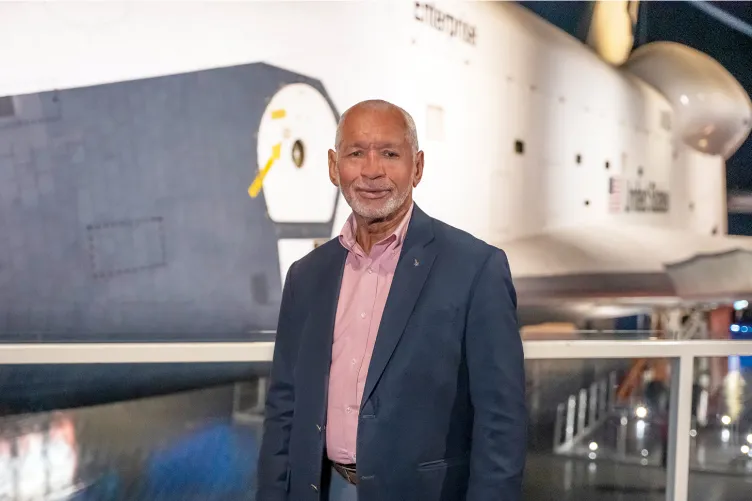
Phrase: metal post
(581, 411)
(559, 424)
(611, 390)
(593, 404)
(245, 409)
(260, 395)
(571, 404)
(680, 411)
(621, 436)
(602, 398)
(236, 391)
(702, 408)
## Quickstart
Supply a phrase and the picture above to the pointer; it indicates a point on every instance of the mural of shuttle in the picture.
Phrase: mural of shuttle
(161, 166)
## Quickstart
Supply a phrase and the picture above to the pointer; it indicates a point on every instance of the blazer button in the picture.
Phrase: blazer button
(318, 427)
(314, 488)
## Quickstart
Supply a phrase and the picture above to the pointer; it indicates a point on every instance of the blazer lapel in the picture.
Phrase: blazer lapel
(319, 329)
(411, 273)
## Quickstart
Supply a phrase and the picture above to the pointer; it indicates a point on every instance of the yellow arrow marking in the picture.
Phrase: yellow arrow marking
(255, 187)
(278, 114)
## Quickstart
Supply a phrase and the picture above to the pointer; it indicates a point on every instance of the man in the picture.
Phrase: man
(398, 367)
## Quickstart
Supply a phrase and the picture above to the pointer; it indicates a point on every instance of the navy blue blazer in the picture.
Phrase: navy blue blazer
(443, 415)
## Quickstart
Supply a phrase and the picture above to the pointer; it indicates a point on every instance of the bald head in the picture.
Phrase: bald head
(379, 105)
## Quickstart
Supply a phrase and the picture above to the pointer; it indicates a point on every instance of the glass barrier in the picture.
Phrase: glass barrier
(600, 422)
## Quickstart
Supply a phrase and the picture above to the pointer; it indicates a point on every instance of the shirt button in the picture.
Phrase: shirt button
(354, 361)
(370, 270)
(363, 315)
(348, 409)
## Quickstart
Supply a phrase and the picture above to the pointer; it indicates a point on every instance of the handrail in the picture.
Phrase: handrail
(200, 352)
(128, 353)
(573, 349)
(681, 353)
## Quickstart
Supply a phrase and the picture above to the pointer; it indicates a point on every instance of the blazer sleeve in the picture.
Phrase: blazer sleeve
(495, 363)
(273, 460)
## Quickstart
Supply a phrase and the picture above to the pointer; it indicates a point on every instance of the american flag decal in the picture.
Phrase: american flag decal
(615, 202)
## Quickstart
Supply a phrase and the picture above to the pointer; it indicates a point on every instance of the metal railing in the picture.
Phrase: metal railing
(681, 353)
(591, 409)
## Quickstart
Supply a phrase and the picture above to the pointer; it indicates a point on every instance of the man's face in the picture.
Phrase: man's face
(374, 166)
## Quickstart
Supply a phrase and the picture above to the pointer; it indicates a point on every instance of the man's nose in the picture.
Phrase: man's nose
(373, 167)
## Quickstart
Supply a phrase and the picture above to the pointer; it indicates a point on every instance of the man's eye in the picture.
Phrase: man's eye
(391, 154)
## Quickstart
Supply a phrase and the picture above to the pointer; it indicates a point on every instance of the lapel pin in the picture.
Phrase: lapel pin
(416, 263)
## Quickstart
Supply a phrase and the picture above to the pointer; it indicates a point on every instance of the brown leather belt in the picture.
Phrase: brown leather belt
(347, 471)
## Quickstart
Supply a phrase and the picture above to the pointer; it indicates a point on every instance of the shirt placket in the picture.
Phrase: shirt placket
(367, 299)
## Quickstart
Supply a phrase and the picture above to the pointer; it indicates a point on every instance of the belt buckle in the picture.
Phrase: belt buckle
(350, 476)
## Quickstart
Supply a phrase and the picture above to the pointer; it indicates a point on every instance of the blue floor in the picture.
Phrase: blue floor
(215, 463)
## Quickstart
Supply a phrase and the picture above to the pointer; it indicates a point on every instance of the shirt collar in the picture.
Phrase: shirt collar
(394, 239)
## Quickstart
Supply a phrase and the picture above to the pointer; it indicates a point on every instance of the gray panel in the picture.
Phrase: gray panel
(126, 246)
(594, 285)
(724, 274)
(125, 212)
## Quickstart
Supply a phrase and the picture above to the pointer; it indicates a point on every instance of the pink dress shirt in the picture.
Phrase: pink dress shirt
(365, 287)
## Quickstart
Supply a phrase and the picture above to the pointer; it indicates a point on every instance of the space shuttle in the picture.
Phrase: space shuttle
(163, 164)
(659, 239)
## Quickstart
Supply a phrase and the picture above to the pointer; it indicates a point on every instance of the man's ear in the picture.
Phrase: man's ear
(418, 173)
(332, 158)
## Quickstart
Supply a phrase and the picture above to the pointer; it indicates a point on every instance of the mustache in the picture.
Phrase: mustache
(380, 186)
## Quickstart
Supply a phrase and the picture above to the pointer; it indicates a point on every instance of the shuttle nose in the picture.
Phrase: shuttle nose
(712, 111)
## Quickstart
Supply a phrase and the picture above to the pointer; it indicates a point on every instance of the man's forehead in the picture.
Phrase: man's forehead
(371, 138)
(375, 118)
(373, 129)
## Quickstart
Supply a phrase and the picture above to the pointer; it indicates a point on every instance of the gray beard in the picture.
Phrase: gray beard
(391, 205)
